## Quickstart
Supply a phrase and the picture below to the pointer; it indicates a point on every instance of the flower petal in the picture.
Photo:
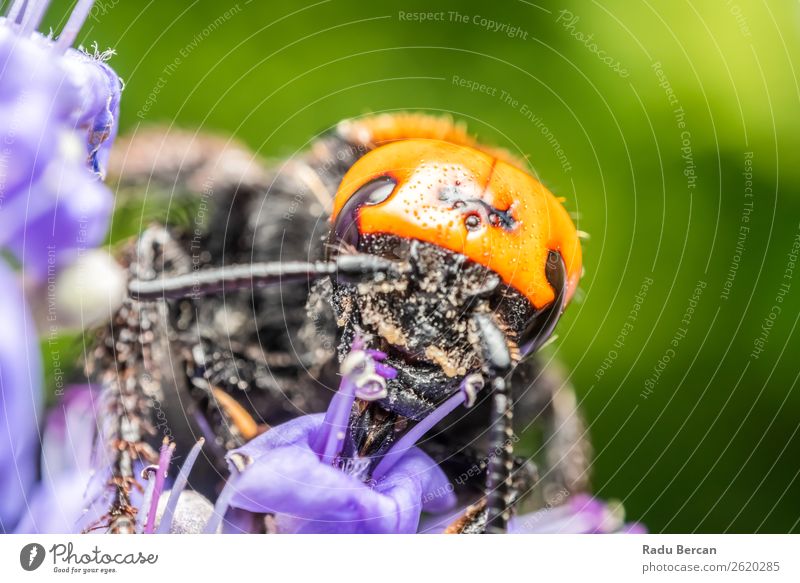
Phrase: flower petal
(286, 477)
(20, 400)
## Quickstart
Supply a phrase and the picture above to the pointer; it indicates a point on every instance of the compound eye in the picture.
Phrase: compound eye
(541, 325)
(345, 228)
(377, 191)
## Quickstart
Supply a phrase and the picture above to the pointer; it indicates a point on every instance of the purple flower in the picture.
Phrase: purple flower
(20, 400)
(581, 514)
(58, 116)
(294, 471)
(175, 510)
(63, 501)
(285, 476)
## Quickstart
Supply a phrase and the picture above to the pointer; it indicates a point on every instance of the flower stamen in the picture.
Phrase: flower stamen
(16, 10)
(465, 395)
(33, 15)
(178, 487)
(221, 506)
(239, 463)
(147, 474)
(363, 377)
(167, 449)
(79, 15)
(330, 436)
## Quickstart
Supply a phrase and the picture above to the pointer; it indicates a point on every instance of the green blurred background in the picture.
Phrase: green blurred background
(677, 125)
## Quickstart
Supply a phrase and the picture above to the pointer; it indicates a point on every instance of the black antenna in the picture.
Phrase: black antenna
(347, 268)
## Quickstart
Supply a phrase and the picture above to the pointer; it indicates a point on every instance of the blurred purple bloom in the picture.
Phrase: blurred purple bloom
(581, 514)
(58, 116)
(20, 400)
(62, 501)
(294, 471)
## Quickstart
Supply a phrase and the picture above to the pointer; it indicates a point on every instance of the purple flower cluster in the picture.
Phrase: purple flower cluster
(581, 514)
(58, 117)
(57, 503)
(295, 473)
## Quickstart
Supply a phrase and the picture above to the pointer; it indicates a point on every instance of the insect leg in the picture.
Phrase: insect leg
(497, 365)
(566, 445)
(131, 362)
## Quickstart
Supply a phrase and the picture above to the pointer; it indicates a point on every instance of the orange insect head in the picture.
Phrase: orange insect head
(468, 202)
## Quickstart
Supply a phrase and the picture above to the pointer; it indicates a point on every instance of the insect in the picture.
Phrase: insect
(401, 230)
